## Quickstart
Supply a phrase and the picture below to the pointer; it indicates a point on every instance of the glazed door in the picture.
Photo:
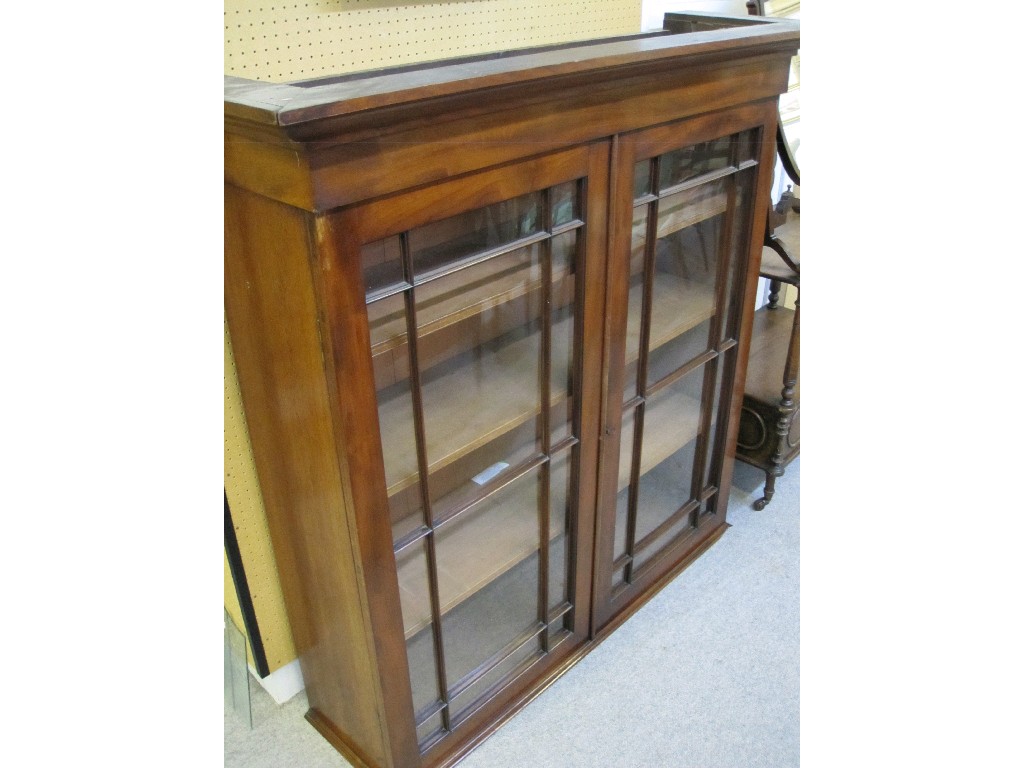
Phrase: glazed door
(677, 273)
(479, 293)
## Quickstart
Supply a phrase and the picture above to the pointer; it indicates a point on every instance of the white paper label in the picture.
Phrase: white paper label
(490, 473)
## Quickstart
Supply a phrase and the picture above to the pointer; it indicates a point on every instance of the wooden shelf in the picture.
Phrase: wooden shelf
(670, 422)
(692, 206)
(489, 543)
(474, 402)
(679, 211)
(679, 305)
(769, 346)
(440, 306)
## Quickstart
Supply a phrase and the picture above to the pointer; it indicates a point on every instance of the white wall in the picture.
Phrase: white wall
(653, 11)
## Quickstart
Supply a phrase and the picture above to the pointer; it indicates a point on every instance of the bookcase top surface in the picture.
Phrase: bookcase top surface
(707, 37)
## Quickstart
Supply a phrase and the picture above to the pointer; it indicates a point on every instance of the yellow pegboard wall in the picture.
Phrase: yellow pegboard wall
(282, 41)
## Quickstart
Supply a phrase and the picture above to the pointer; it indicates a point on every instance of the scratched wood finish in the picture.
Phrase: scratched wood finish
(317, 170)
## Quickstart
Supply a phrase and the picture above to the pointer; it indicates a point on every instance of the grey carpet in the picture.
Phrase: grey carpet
(705, 675)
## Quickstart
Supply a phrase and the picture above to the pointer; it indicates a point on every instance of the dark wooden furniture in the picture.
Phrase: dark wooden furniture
(769, 436)
(491, 321)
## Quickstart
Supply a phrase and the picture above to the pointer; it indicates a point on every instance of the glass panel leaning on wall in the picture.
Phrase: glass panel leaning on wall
(473, 326)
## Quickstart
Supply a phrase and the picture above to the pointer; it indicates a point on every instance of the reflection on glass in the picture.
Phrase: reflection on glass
(671, 426)
(563, 204)
(382, 265)
(641, 179)
(678, 339)
(687, 163)
(747, 145)
(495, 381)
(689, 230)
(489, 363)
(442, 244)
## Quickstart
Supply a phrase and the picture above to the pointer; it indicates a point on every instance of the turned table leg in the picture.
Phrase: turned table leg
(786, 409)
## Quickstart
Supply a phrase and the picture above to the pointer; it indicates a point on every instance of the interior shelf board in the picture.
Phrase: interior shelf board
(471, 405)
(689, 210)
(670, 422)
(438, 306)
(489, 545)
(679, 305)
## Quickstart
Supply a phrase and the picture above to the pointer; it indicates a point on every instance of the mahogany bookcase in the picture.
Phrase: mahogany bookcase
(491, 320)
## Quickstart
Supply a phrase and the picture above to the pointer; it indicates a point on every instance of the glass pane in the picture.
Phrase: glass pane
(563, 203)
(390, 350)
(641, 179)
(488, 575)
(747, 145)
(636, 298)
(559, 631)
(236, 671)
(690, 162)
(686, 267)
(677, 352)
(563, 263)
(444, 244)
(414, 587)
(477, 304)
(663, 540)
(625, 468)
(618, 576)
(671, 426)
(482, 404)
(561, 530)
(738, 249)
(388, 340)
(429, 730)
(519, 658)
(689, 235)
(382, 265)
(712, 463)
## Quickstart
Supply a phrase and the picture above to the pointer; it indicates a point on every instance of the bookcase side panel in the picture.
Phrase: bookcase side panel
(272, 314)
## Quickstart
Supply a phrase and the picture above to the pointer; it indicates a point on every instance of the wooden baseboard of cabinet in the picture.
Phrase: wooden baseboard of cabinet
(337, 741)
(649, 592)
(528, 695)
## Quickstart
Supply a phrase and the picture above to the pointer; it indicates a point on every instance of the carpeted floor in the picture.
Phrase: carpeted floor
(707, 674)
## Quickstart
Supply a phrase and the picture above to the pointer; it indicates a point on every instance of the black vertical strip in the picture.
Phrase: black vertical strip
(252, 627)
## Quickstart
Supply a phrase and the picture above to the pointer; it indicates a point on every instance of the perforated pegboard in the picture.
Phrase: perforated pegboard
(280, 41)
(249, 517)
